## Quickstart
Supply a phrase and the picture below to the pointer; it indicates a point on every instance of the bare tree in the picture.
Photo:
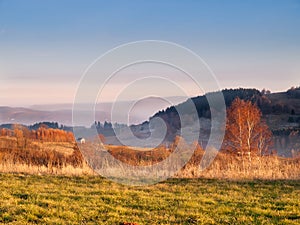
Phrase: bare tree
(246, 133)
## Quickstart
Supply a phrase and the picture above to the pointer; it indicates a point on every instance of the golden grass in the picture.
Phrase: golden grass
(269, 168)
(43, 170)
(68, 162)
(232, 167)
(65, 148)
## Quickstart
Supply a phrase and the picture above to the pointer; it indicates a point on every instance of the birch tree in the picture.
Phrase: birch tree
(246, 133)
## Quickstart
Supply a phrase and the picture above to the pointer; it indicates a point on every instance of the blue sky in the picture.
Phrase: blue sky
(45, 46)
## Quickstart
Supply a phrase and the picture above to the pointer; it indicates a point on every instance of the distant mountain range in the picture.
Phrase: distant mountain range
(62, 113)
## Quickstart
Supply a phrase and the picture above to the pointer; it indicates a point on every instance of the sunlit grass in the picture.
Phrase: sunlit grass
(30, 199)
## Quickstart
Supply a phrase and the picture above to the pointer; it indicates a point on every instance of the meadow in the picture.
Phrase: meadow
(48, 199)
(47, 181)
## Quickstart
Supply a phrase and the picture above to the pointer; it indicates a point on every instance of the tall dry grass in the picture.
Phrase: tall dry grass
(64, 158)
(227, 166)
(40, 157)
(67, 170)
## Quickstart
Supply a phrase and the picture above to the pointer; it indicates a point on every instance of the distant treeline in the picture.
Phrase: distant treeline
(260, 98)
(294, 92)
(36, 126)
(42, 133)
(268, 104)
(23, 146)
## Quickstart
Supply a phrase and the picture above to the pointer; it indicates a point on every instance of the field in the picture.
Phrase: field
(49, 182)
(32, 199)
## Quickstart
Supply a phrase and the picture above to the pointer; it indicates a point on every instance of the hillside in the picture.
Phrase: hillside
(280, 110)
(269, 103)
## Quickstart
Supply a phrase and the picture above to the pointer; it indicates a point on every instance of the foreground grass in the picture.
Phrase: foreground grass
(30, 199)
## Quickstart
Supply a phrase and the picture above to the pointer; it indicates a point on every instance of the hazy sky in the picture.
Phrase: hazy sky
(45, 46)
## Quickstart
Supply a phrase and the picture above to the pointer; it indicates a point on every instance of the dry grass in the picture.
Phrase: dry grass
(232, 167)
(63, 158)
(40, 157)
(66, 148)
(44, 170)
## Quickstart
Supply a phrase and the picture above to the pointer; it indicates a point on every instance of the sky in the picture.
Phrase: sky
(45, 46)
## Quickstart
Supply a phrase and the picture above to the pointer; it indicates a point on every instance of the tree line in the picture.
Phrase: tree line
(43, 133)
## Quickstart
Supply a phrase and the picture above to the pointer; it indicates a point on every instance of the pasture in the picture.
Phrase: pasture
(33, 199)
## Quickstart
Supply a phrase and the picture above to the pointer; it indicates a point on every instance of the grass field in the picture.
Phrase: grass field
(32, 199)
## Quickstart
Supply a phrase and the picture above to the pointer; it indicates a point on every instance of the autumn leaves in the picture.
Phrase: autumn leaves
(246, 131)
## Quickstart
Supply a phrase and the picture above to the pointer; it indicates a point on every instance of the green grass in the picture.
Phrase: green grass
(30, 199)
